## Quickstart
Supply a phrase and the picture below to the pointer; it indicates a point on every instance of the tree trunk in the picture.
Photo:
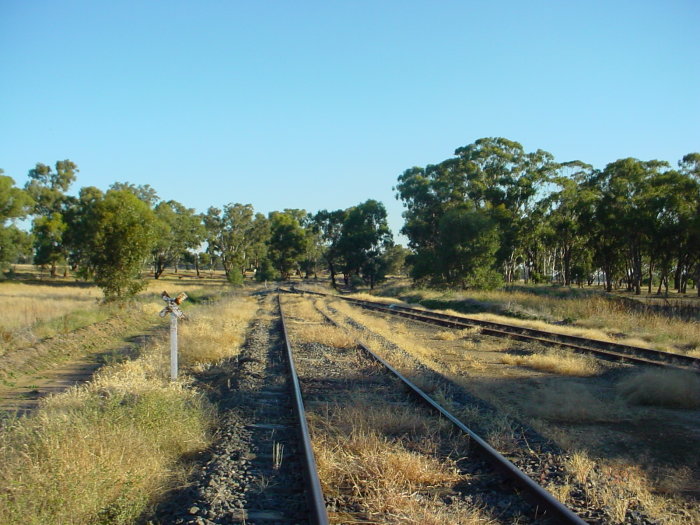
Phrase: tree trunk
(566, 262)
(331, 269)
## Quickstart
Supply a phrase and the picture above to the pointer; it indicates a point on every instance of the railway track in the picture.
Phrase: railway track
(545, 506)
(603, 349)
(317, 508)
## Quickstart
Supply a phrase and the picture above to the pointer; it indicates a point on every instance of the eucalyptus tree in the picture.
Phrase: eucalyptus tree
(624, 214)
(77, 216)
(364, 238)
(288, 242)
(47, 187)
(468, 243)
(689, 244)
(329, 225)
(15, 204)
(144, 192)
(234, 235)
(120, 233)
(180, 230)
(672, 204)
(495, 175)
(564, 221)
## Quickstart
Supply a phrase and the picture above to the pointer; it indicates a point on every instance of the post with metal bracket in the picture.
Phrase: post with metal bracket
(172, 307)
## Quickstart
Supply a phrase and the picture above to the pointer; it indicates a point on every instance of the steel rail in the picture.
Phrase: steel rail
(314, 494)
(553, 508)
(607, 349)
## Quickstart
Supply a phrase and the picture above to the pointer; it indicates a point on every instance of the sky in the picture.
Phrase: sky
(323, 104)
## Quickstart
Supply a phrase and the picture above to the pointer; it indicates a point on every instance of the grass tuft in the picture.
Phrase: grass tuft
(556, 362)
(665, 388)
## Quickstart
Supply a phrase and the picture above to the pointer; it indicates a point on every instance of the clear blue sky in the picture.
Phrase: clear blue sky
(301, 104)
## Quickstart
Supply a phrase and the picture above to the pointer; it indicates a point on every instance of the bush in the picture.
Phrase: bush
(267, 272)
(235, 276)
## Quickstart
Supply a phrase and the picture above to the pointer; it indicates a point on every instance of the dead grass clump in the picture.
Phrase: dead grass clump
(618, 487)
(447, 335)
(216, 332)
(579, 465)
(364, 417)
(361, 296)
(383, 478)
(556, 362)
(301, 308)
(666, 388)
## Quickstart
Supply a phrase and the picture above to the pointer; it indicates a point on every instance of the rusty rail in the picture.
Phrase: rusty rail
(317, 506)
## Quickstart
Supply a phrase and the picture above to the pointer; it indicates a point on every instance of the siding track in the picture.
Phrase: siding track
(602, 349)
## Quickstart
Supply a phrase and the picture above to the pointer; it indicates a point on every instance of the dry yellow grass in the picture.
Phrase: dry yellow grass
(376, 298)
(23, 306)
(666, 388)
(396, 334)
(325, 334)
(307, 325)
(101, 452)
(367, 470)
(617, 487)
(98, 453)
(555, 362)
(216, 333)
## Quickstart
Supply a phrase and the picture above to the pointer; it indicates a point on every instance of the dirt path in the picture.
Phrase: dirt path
(60, 363)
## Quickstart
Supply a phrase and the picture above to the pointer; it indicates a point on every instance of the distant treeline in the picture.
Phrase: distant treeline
(495, 213)
(491, 214)
(110, 237)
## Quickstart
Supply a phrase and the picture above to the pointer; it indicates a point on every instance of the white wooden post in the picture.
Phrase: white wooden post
(173, 346)
(172, 307)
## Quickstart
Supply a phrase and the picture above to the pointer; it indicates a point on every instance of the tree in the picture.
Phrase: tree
(235, 235)
(288, 242)
(395, 257)
(493, 175)
(179, 230)
(469, 240)
(624, 215)
(565, 230)
(144, 192)
(365, 235)
(77, 217)
(14, 204)
(689, 247)
(119, 240)
(47, 188)
(329, 225)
